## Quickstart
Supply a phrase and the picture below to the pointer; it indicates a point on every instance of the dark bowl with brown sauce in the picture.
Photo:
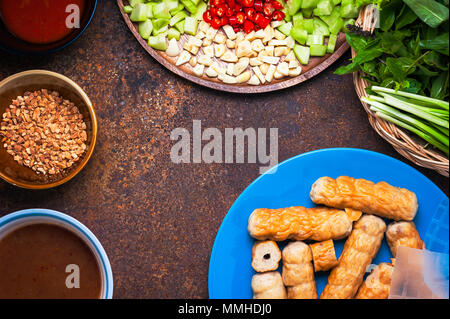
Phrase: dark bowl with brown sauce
(29, 81)
(46, 254)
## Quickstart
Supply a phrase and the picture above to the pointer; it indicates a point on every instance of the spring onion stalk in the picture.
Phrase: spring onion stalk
(435, 102)
(424, 136)
(413, 109)
(380, 107)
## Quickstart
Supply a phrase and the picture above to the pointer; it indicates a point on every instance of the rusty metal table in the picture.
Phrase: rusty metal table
(157, 220)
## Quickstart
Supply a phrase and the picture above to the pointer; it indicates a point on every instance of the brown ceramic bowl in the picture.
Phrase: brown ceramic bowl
(17, 85)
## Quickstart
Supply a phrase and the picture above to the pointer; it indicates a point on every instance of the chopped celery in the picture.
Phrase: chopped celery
(336, 26)
(314, 39)
(145, 28)
(180, 26)
(149, 9)
(297, 19)
(127, 9)
(318, 49)
(177, 18)
(161, 30)
(173, 34)
(179, 8)
(285, 28)
(300, 35)
(160, 10)
(308, 25)
(336, 2)
(331, 43)
(293, 6)
(201, 8)
(139, 13)
(189, 6)
(309, 4)
(330, 19)
(171, 4)
(349, 11)
(196, 2)
(307, 13)
(134, 3)
(160, 23)
(302, 53)
(158, 42)
(190, 25)
(320, 27)
(324, 8)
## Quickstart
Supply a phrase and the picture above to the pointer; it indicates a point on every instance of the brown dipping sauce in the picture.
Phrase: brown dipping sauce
(33, 261)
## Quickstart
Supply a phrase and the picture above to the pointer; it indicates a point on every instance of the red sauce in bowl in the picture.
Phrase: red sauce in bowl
(39, 21)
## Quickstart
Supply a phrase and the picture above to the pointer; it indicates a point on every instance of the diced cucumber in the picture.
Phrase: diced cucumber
(302, 53)
(179, 8)
(320, 27)
(285, 28)
(307, 13)
(336, 2)
(314, 39)
(177, 18)
(145, 29)
(318, 49)
(196, 2)
(308, 25)
(127, 9)
(324, 8)
(293, 6)
(297, 19)
(337, 26)
(160, 23)
(300, 35)
(171, 4)
(331, 43)
(134, 3)
(161, 30)
(189, 6)
(149, 9)
(160, 10)
(349, 11)
(346, 2)
(139, 13)
(190, 25)
(158, 42)
(173, 34)
(201, 8)
(331, 19)
(180, 26)
(309, 4)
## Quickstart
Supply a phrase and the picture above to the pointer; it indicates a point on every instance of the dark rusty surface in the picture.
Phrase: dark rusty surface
(157, 220)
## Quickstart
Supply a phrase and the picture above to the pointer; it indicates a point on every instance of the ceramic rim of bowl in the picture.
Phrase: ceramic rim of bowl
(80, 165)
(37, 215)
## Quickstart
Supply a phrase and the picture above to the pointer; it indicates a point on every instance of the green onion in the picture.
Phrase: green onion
(439, 103)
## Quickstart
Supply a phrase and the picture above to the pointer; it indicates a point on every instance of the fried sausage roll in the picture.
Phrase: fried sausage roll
(324, 256)
(298, 272)
(403, 234)
(379, 199)
(268, 285)
(377, 284)
(360, 248)
(265, 256)
(299, 223)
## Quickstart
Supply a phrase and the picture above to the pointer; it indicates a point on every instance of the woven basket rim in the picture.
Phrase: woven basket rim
(405, 143)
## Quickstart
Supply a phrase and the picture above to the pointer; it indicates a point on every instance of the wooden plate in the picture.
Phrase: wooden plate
(314, 67)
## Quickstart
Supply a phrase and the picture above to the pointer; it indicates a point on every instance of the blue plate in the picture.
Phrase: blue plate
(230, 270)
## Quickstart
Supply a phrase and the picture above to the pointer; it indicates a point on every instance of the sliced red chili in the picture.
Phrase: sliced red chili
(277, 5)
(221, 9)
(207, 16)
(231, 3)
(250, 13)
(214, 2)
(223, 21)
(268, 9)
(233, 20)
(264, 22)
(248, 26)
(248, 3)
(216, 23)
(240, 17)
(213, 11)
(278, 15)
(229, 12)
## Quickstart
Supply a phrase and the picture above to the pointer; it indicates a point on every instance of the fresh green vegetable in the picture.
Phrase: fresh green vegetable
(297, 19)
(317, 49)
(411, 113)
(431, 12)
(285, 28)
(300, 35)
(177, 18)
(173, 34)
(145, 29)
(331, 43)
(293, 6)
(302, 53)
(314, 39)
(127, 9)
(158, 42)
(190, 25)
(139, 13)
(324, 8)
(405, 54)
(161, 10)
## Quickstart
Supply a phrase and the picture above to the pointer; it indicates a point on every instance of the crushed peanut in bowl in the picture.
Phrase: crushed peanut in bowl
(44, 132)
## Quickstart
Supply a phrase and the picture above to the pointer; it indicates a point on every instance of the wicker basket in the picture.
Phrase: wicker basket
(405, 143)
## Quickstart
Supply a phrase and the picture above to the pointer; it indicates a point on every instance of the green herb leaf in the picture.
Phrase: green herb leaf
(429, 11)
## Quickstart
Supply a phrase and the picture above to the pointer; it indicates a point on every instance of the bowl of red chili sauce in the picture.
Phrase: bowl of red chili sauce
(43, 26)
